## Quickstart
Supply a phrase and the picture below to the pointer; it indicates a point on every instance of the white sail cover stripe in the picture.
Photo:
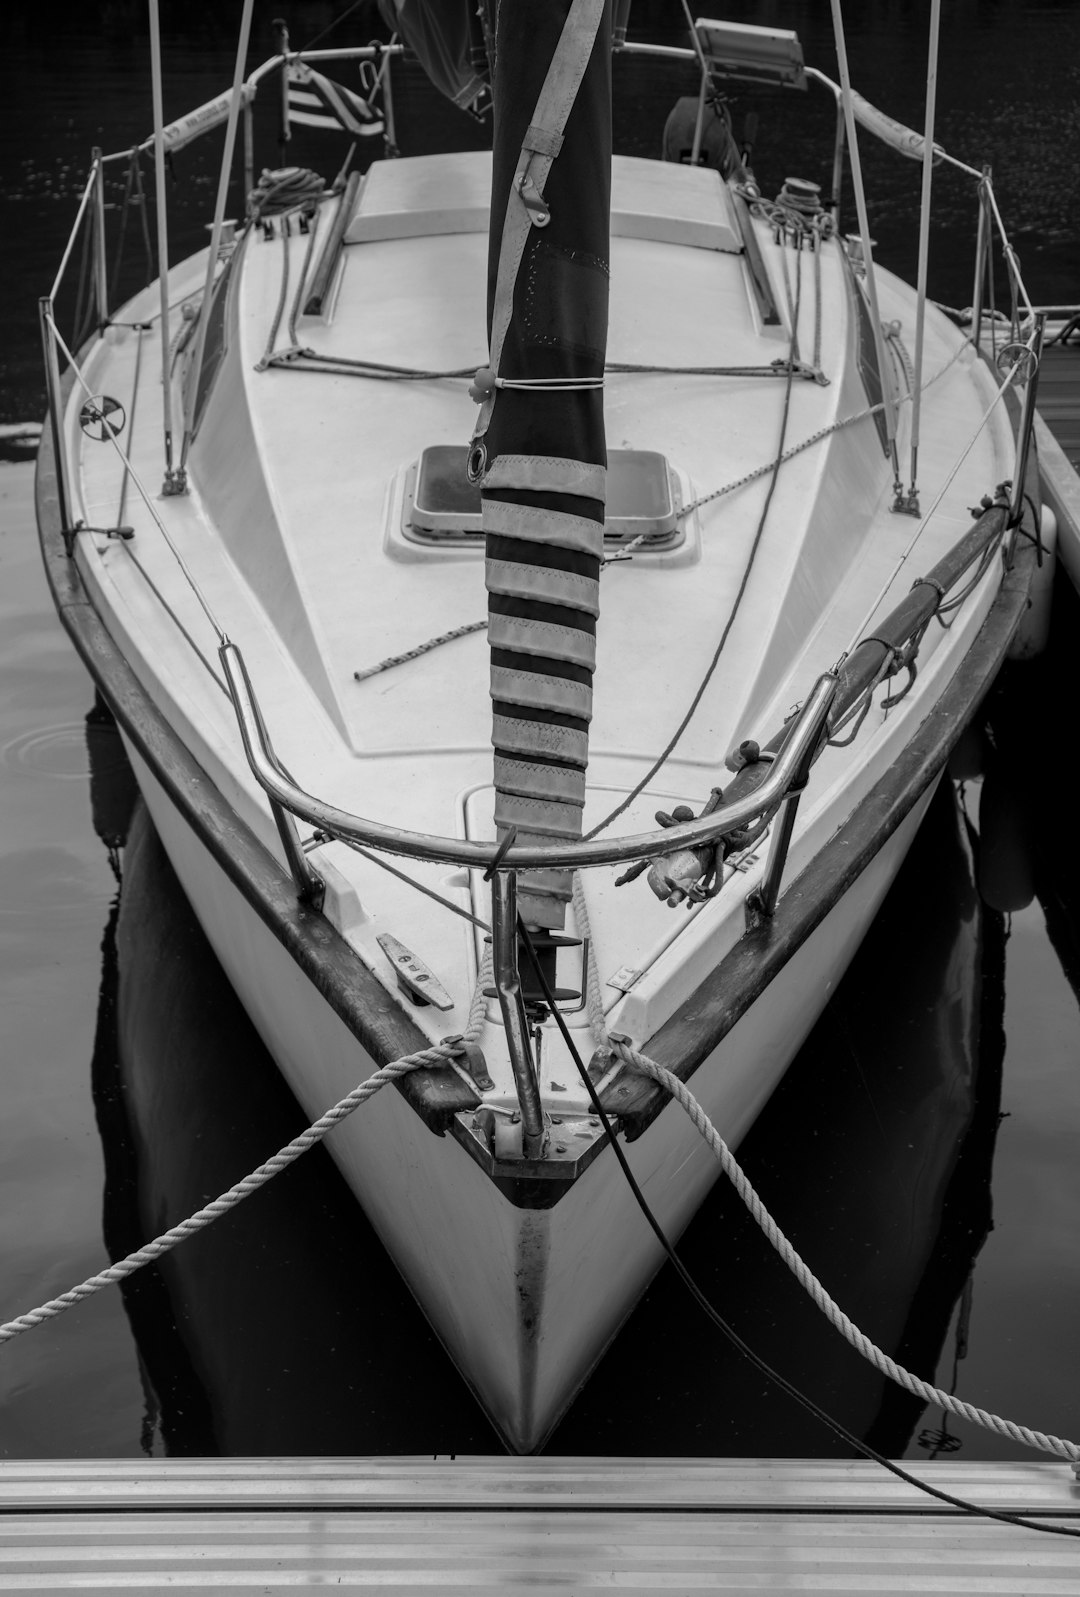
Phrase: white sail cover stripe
(534, 690)
(547, 474)
(567, 588)
(542, 738)
(546, 817)
(546, 638)
(551, 527)
(525, 780)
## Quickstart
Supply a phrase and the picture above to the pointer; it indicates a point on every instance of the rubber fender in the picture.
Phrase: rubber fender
(968, 758)
(113, 790)
(1034, 630)
(1006, 878)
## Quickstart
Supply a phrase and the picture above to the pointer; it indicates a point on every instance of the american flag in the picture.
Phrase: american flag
(317, 102)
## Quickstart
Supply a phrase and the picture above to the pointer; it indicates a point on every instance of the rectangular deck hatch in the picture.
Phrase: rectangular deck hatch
(442, 505)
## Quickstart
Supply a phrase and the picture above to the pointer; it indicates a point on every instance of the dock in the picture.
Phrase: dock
(533, 1525)
(1059, 396)
(1057, 433)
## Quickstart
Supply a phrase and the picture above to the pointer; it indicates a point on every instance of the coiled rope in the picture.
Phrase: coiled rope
(283, 189)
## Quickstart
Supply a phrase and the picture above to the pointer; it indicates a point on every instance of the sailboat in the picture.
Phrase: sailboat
(713, 469)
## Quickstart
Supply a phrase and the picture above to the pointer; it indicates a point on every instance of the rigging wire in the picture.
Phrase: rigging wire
(925, 520)
(330, 26)
(319, 837)
(662, 758)
(140, 487)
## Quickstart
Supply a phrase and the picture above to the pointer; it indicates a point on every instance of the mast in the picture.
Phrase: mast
(539, 447)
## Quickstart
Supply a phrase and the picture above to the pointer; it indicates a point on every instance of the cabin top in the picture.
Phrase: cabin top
(422, 196)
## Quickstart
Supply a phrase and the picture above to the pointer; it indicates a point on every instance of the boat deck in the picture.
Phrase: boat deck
(529, 1525)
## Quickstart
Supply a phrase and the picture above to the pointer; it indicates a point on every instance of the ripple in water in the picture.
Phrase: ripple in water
(58, 751)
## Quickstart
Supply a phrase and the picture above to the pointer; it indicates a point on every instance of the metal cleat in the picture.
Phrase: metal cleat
(414, 977)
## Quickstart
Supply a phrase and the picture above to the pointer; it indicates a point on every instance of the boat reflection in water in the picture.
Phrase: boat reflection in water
(874, 1156)
(285, 1329)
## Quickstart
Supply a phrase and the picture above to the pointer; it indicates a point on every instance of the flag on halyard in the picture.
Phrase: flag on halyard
(318, 102)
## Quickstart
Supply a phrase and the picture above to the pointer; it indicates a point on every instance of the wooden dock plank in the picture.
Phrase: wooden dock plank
(534, 1526)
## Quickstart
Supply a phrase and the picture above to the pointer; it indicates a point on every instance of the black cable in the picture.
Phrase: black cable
(663, 756)
(717, 1319)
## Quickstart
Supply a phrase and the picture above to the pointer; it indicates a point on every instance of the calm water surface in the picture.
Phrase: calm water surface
(921, 1153)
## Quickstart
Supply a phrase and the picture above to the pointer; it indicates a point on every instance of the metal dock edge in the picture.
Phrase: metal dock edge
(1057, 433)
(535, 1525)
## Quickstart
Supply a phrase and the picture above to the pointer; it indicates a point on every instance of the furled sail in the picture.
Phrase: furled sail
(539, 448)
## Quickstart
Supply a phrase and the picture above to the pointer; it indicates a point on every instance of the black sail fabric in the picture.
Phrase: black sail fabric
(543, 489)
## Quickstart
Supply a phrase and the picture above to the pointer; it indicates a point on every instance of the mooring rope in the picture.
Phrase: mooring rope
(625, 1051)
(438, 1054)
(810, 1284)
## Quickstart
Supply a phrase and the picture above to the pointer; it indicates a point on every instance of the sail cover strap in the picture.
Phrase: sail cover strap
(542, 455)
(541, 142)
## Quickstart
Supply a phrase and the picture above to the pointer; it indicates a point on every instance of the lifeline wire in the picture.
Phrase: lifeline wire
(640, 786)
(438, 1053)
(332, 25)
(925, 521)
(320, 837)
(717, 1319)
(137, 480)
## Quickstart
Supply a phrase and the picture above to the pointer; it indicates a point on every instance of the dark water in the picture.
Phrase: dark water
(921, 1153)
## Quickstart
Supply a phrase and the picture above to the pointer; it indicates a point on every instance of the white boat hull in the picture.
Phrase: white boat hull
(525, 1300)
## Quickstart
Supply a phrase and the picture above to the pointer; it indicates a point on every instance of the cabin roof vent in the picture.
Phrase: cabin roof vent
(441, 506)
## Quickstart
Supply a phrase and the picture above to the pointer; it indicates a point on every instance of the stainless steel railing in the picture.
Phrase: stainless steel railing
(802, 733)
(786, 775)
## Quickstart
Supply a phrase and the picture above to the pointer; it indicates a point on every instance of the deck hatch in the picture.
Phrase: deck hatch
(442, 506)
